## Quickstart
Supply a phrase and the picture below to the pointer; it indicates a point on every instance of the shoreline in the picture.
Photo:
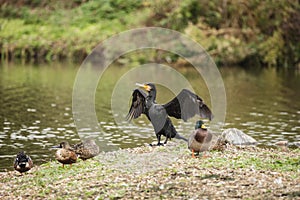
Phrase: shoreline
(163, 172)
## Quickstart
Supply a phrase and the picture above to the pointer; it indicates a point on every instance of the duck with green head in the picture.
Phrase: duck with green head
(199, 139)
(65, 154)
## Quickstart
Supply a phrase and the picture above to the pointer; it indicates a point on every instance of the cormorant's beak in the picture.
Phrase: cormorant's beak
(145, 86)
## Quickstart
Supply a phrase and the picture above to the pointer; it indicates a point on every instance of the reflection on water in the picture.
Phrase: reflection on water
(36, 108)
(264, 103)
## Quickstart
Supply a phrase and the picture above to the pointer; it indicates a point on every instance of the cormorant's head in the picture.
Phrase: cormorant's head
(147, 86)
(200, 124)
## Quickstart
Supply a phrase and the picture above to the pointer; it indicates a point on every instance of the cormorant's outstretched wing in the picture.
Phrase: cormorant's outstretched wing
(138, 104)
(186, 105)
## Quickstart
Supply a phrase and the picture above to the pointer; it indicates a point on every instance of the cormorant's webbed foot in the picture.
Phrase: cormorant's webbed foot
(158, 144)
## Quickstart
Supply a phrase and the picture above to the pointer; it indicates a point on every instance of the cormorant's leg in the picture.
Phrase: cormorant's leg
(166, 140)
(158, 139)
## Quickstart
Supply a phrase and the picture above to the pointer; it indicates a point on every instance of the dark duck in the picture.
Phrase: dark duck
(23, 162)
(200, 138)
(184, 106)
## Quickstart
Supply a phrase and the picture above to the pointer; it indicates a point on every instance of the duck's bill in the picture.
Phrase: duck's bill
(203, 126)
(55, 147)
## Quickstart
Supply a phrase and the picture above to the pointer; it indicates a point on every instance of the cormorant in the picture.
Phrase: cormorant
(184, 106)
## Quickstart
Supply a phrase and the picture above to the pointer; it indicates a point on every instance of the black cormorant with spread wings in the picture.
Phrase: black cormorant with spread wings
(184, 106)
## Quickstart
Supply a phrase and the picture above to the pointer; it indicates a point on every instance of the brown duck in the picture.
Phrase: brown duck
(86, 149)
(65, 154)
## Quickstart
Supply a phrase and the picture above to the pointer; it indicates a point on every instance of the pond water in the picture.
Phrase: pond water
(36, 107)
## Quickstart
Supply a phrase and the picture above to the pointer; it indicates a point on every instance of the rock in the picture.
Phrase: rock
(237, 137)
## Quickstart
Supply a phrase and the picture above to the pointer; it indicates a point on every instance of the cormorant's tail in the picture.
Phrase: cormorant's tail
(177, 136)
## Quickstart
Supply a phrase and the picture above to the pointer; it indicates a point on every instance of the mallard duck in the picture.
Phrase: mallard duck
(87, 149)
(23, 162)
(65, 154)
(199, 140)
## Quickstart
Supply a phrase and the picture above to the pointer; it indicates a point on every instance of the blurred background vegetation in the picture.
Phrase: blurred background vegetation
(244, 32)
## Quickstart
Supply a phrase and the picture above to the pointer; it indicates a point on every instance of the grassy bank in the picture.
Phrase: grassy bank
(244, 32)
(164, 173)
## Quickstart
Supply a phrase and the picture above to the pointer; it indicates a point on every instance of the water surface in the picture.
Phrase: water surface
(36, 107)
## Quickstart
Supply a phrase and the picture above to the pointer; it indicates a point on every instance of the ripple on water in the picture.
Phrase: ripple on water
(288, 133)
(70, 131)
(127, 142)
(3, 135)
(295, 128)
(127, 131)
(283, 113)
(85, 130)
(270, 127)
(31, 110)
(256, 114)
(17, 136)
(33, 127)
(35, 136)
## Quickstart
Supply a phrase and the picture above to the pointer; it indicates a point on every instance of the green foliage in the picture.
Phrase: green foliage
(271, 49)
(95, 11)
(234, 32)
(173, 14)
(231, 31)
(29, 33)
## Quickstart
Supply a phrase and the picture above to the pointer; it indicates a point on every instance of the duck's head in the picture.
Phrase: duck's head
(200, 124)
(21, 157)
(147, 86)
(21, 153)
(62, 145)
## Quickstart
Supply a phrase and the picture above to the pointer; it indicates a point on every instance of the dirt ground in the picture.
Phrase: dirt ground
(164, 173)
